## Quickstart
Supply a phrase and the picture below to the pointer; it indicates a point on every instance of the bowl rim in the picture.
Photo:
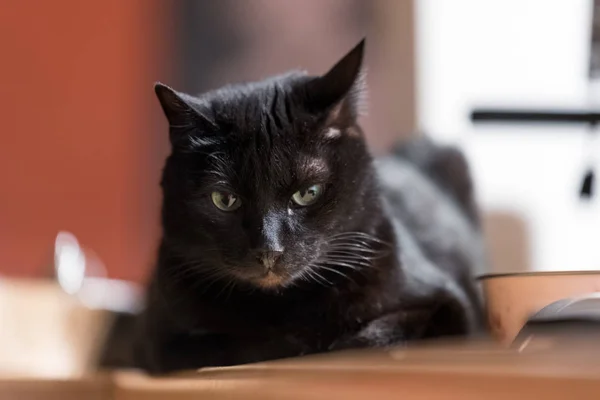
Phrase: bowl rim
(536, 273)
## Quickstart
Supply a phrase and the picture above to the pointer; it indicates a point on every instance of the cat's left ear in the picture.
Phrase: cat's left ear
(184, 115)
(341, 91)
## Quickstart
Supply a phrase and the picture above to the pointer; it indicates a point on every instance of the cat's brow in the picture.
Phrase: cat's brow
(313, 167)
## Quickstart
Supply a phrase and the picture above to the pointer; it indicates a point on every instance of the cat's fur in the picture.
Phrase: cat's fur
(386, 255)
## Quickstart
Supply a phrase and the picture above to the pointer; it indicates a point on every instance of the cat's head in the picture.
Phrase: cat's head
(267, 180)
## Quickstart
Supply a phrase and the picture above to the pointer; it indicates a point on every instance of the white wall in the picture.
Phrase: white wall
(515, 53)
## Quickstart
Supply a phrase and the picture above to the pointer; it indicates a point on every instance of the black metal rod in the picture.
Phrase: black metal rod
(529, 116)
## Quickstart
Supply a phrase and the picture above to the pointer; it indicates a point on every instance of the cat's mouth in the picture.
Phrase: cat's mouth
(271, 280)
(264, 278)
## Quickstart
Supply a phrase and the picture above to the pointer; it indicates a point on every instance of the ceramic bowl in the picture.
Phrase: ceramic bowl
(511, 299)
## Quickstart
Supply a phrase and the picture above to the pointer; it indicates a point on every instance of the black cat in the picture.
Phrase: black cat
(282, 237)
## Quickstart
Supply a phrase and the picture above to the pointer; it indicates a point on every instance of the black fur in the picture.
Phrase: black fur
(357, 268)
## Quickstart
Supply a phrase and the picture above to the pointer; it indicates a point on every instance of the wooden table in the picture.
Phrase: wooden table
(93, 387)
(449, 371)
(539, 369)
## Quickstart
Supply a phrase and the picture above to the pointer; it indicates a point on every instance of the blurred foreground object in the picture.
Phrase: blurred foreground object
(46, 332)
(58, 329)
(80, 272)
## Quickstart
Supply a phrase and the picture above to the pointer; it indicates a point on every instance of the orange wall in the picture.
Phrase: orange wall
(78, 141)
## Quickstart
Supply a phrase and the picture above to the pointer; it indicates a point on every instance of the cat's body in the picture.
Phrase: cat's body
(282, 238)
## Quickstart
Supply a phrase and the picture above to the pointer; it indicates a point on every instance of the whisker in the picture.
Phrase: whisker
(353, 247)
(342, 264)
(224, 288)
(349, 255)
(212, 279)
(320, 266)
(358, 235)
(233, 284)
(196, 271)
(357, 241)
(176, 267)
(364, 260)
(307, 276)
(337, 272)
(358, 245)
(353, 264)
(314, 274)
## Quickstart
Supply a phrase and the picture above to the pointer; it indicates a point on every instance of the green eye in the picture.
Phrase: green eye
(307, 196)
(225, 201)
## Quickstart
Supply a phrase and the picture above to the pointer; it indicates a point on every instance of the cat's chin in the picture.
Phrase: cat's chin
(271, 281)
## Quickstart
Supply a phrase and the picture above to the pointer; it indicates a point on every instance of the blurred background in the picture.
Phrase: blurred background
(83, 139)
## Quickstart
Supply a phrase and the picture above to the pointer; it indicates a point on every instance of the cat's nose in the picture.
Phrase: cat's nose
(268, 258)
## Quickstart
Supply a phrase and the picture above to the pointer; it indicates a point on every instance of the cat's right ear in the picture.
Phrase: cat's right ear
(183, 115)
(341, 91)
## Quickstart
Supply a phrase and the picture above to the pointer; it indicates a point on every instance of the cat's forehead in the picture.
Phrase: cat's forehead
(274, 105)
(269, 141)
(262, 171)
(287, 163)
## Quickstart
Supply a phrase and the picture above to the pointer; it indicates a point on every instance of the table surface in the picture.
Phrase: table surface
(436, 371)
(475, 370)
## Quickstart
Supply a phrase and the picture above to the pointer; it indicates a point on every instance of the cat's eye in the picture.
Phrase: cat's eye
(225, 201)
(308, 196)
